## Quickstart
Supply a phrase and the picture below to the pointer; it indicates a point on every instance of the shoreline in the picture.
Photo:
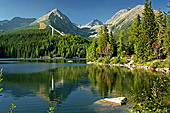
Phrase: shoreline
(130, 66)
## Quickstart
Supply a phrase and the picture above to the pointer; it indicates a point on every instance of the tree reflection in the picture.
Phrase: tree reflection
(116, 81)
(53, 85)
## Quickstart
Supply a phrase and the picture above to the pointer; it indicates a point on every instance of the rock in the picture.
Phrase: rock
(121, 65)
(115, 101)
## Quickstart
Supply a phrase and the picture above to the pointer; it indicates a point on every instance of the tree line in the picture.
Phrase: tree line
(148, 38)
(40, 43)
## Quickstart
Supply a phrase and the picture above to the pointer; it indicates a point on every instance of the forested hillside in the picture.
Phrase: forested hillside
(148, 39)
(40, 43)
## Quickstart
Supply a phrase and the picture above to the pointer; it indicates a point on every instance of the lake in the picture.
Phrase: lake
(34, 85)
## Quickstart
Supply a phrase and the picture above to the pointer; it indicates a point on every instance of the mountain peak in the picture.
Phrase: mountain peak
(54, 12)
(95, 22)
(126, 12)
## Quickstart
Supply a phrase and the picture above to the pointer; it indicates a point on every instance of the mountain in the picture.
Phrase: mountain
(91, 28)
(59, 21)
(124, 18)
(95, 22)
(16, 22)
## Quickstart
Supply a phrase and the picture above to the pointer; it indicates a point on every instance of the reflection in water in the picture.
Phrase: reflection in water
(53, 85)
(73, 88)
(115, 81)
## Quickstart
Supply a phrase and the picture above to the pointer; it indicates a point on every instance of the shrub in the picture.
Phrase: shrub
(156, 64)
(134, 58)
(123, 54)
(116, 60)
(107, 60)
(100, 59)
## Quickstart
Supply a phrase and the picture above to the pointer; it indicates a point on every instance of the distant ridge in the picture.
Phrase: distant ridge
(14, 23)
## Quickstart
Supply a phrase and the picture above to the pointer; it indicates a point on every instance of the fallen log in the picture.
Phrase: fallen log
(115, 101)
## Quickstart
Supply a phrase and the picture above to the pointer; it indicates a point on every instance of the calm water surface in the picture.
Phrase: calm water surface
(35, 85)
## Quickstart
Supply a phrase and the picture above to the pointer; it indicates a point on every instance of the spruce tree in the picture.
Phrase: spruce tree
(121, 43)
(149, 31)
(160, 33)
(133, 42)
(166, 39)
(105, 34)
(113, 43)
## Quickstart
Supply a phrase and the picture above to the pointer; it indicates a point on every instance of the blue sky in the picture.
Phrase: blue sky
(78, 11)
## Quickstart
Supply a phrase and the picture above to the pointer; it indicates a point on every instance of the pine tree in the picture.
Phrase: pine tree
(113, 43)
(149, 31)
(121, 43)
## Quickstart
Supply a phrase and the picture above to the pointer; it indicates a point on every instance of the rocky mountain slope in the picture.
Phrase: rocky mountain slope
(123, 19)
(59, 21)
(16, 22)
(91, 28)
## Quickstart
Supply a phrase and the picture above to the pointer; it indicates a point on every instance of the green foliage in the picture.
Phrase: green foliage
(113, 43)
(107, 60)
(103, 40)
(115, 60)
(121, 42)
(124, 60)
(105, 34)
(166, 38)
(11, 110)
(1, 79)
(100, 59)
(156, 64)
(149, 31)
(92, 50)
(155, 101)
(51, 109)
(134, 58)
(134, 40)
(40, 43)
